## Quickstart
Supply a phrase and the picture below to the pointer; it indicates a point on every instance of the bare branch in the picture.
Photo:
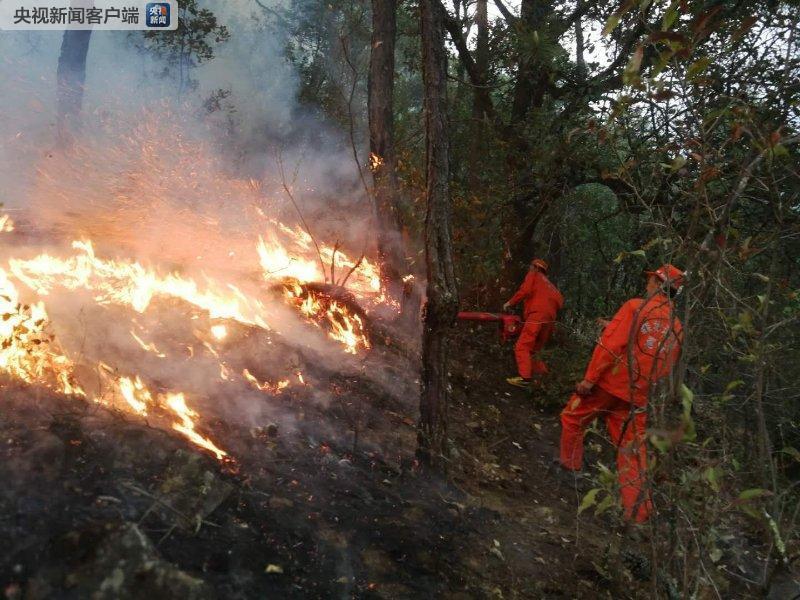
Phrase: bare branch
(297, 207)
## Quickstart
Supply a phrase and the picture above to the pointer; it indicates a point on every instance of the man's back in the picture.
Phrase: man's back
(643, 341)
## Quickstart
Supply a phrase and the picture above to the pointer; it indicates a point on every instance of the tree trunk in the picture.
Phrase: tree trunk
(391, 251)
(442, 298)
(531, 74)
(580, 60)
(71, 76)
(481, 101)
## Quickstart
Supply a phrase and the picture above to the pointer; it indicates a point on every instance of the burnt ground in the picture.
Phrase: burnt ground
(97, 504)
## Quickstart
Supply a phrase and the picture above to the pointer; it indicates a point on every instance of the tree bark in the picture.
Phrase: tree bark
(381, 141)
(580, 60)
(71, 75)
(442, 296)
(482, 104)
(481, 101)
(531, 75)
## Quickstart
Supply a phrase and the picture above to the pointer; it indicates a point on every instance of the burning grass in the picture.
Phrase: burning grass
(30, 352)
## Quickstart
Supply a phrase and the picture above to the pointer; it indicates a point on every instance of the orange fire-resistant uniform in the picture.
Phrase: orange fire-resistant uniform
(647, 331)
(542, 301)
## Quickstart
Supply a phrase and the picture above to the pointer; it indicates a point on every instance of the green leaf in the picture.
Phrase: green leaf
(611, 23)
(607, 478)
(614, 19)
(631, 74)
(793, 452)
(677, 163)
(697, 67)
(753, 493)
(734, 385)
(746, 321)
(687, 399)
(590, 499)
(670, 15)
(779, 150)
(606, 503)
(711, 475)
(660, 443)
(730, 388)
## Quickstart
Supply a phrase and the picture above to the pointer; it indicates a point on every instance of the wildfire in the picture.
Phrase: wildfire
(342, 325)
(187, 416)
(148, 347)
(135, 394)
(27, 351)
(285, 255)
(272, 388)
(131, 284)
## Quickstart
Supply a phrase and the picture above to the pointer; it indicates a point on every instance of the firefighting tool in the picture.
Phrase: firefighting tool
(509, 325)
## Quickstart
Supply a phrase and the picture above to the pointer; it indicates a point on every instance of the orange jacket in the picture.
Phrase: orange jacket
(541, 297)
(649, 331)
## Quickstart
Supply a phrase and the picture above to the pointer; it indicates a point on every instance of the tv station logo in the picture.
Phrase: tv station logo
(88, 14)
(157, 14)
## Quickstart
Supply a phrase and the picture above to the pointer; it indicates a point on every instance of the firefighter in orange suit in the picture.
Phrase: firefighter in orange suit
(637, 348)
(541, 303)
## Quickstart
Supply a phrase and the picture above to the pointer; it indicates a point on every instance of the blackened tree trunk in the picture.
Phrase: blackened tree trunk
(442, 297)
(71, 75)
(381, 142)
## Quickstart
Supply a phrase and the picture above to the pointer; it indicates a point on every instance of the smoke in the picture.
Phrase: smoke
(159, 177)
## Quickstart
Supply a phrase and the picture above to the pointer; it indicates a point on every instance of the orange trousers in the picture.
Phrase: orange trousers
(532, 338)
(627, 432)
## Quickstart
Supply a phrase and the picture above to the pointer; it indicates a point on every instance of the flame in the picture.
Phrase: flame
(27, 351)
(375, 161)
(346, 328)
(343, 326)
(6, 224)
(131, 284)
(177, 403)
(135, 394)
(286, 253)
(139, 399)
(272, 388)
(148, 347)
(29, 354)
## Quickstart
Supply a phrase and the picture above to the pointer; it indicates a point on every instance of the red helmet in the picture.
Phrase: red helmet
(540, 263)
(669, 274)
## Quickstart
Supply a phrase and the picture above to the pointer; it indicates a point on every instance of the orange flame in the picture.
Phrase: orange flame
(187, 416)
(26, 350)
